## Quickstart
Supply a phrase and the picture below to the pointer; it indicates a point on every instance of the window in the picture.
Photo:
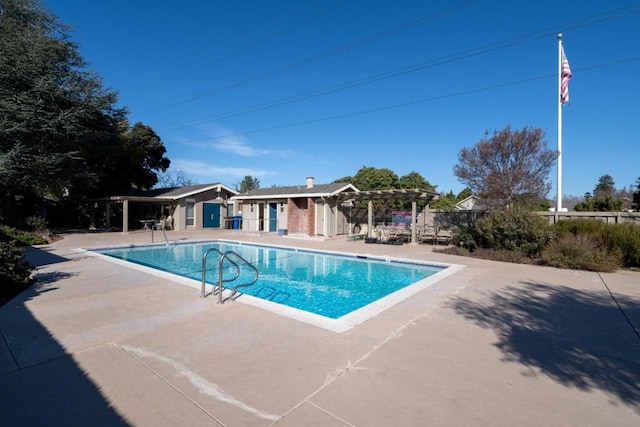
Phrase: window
(190, 212)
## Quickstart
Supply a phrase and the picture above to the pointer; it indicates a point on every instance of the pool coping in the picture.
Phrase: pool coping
(338, 325)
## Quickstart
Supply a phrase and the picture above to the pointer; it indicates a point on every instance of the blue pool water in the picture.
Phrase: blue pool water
(326, 284)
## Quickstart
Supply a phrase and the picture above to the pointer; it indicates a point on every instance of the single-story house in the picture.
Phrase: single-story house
(313, 210)
(468, 203)
(180, 208)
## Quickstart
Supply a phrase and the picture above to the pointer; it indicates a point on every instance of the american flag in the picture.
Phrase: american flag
(565, 77)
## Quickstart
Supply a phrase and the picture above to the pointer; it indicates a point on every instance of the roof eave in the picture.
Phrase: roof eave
(217, 186)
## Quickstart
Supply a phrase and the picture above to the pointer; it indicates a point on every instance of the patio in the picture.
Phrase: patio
(95, 343)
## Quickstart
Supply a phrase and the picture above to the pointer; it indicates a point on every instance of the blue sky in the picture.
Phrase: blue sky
(282, 90)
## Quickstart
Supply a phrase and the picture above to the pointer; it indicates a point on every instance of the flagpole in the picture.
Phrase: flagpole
(559, 98)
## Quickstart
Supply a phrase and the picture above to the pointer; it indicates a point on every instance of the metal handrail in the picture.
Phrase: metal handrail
(220, 279)
(225, 256)
(166, 239)
(234, 290)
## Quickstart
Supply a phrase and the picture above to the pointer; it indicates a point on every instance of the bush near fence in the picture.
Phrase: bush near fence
(593, 241)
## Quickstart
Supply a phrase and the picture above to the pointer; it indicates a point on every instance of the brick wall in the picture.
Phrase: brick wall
(311, 217)
(301, 216)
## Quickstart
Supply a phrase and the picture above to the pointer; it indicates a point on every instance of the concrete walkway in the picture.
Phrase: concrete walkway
(94, 343)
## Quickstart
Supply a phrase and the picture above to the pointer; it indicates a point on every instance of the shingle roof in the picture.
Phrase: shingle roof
(295, 190)
(187, 189)
(173, 192)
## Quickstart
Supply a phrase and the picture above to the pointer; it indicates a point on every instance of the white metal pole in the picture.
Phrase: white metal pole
(559, 199)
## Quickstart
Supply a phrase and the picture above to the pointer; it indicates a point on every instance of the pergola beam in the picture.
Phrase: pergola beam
(412, 194)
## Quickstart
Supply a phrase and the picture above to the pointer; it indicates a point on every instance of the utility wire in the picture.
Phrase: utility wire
(603, 17)
(321, 55)
(409, 103)
(251, 44)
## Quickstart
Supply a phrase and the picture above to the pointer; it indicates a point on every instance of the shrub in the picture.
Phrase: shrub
(15, 272)
(513, 230)
(490, 254)
(625, 238)
(465, 239)
(581, 226)
(23, 237)
(585, 251)
(38, 224)
(621, 240)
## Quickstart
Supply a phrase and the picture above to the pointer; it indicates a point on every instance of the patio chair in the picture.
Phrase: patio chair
(444, 235)
(428, 235)
(165, 223)
(360, 232)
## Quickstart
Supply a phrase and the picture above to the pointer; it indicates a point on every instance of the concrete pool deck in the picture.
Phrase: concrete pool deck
(94, 343)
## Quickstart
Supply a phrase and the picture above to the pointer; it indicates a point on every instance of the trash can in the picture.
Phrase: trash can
(237, 220)
(282, 232)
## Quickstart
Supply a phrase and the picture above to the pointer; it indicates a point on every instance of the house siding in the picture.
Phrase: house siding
(299, 215)
(211, 196)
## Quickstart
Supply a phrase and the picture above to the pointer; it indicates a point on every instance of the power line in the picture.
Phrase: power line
(321, 55)
(251, 44)
(409, 103)
(581, 23)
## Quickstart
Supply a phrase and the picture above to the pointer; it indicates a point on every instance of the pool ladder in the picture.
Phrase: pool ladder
(218, 287)
(164, 234)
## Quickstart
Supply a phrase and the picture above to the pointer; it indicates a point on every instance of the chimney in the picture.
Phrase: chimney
(309, 182)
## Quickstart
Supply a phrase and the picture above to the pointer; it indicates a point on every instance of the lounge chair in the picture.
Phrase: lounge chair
(444, 236)
(360, 232)
(428, 235)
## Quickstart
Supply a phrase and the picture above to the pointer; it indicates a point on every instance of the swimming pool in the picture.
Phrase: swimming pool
(325, 284)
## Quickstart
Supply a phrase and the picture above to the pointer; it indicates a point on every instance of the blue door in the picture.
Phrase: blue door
(211, 215)
(273, 216)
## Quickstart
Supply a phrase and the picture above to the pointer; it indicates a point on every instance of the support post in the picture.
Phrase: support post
(414, 221)
(370, 218)
(125, 216)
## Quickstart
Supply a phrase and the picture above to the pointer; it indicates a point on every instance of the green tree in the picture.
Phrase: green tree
(61, 132)
(346, 179)
(604, 198)
(247, 184)
(445, 201)
(413, 180)
(51, 110)
(448, 201)
(371, 178)
(149, 156)
(466, 192)
(606, 186)
(510, 167)
(636, 196)
(134, 160)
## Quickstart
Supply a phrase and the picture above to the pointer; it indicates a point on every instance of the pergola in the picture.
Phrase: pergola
(413, 195)
(126, 202)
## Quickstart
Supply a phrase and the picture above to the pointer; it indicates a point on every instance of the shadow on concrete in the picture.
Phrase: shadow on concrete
(39, 256)
(580, 339)
(40, 383)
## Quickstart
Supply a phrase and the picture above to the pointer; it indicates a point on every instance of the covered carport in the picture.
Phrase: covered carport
(147, 209)
(402, 194)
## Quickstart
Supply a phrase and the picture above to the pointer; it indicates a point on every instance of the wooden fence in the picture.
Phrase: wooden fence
(458, 219)
(608, 217)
